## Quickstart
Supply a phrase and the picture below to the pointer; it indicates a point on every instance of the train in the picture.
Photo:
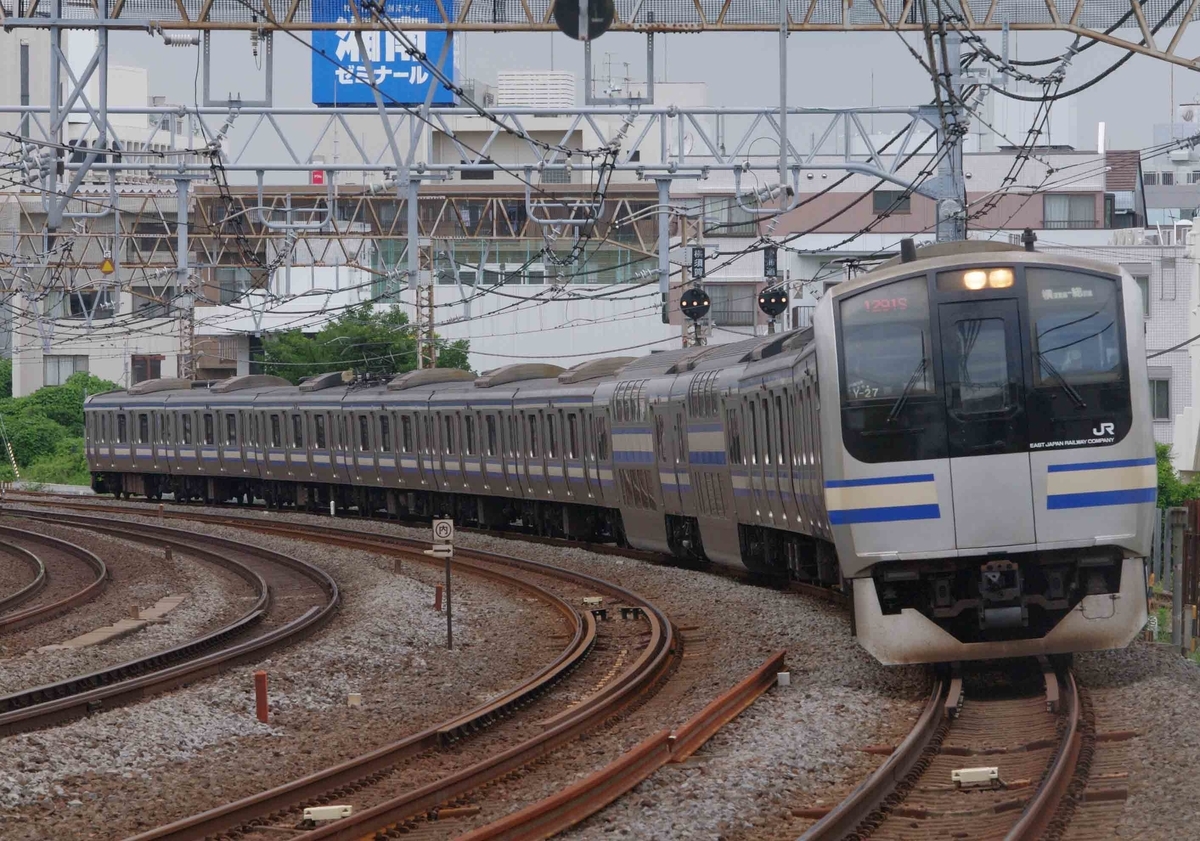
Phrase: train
(960, 441)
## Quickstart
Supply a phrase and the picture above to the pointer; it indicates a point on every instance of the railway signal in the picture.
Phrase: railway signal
(600, 15)
(773, 302)
(695, 303)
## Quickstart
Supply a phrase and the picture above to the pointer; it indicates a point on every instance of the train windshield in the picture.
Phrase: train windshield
(886, 342)
(1075, 328)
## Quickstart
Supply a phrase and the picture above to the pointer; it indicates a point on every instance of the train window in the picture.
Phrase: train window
(601, 440)
(469, 435)
(364, 436)
(185, 429)
(254, 436)
(980, 381)
(753, 434)
(428, 434)
(1076, 328)
(104, 427)
(231, 429)
(143, 428)
(534, 449)
(406, 433)
(209, 434)
(448, 444)
(659, 435)
(385, 434)
(122, 429)
(513, 440)
(319, 431)
(680, 439)
(886, 344)
(779, 428)
(490, 420)
(551, 436)
(276, 432)
(297, 432)
(572, 436)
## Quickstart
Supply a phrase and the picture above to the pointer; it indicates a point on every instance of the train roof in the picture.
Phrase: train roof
(949, 255)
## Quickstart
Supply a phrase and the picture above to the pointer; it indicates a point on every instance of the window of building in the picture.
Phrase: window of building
(56, 370)
(1143, 282)
(1166, 179)
(145, 368)
(891, 201)
(1160, 399)
(385, 434)
(319, 431)
(406, 433)
(364, 436)
(231, 428)
(209, 432)
(90, 303)
(733, 304)
(232, 283)
(1066, 211)
(276, 432)
(186, 429)
(143, 428)
(1150, 179)
(153, 304)
(122, 429)
(1194, 176)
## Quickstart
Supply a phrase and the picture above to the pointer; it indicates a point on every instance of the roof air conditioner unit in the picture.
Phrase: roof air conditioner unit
(1181, 155)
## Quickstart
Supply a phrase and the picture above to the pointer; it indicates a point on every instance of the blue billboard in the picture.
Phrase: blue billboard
(339, 74)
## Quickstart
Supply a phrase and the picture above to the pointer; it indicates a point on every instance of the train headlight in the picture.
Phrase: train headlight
(975, 279)
(1000, 278)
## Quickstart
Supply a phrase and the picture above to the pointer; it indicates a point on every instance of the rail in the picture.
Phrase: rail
(36, 566)
(182, 664)
(42, 613)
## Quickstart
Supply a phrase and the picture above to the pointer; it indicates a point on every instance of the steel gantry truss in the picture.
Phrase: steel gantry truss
(1127, 24)
(412, 150)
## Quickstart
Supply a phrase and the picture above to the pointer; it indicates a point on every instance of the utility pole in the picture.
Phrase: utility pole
(951, 187)
(185, 293)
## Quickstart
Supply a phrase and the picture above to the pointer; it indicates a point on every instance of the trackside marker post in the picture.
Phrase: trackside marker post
(260, 696)
(443, 547)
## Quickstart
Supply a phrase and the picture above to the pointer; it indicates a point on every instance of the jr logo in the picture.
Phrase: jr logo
(1104, 429)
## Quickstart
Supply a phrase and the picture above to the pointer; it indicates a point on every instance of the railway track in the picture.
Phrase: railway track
(1029, 727)
(293, 599)
(65, 577)
(649, 648)
(73, 501)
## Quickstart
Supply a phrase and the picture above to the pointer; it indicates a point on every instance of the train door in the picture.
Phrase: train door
(787, 448)
(471, 470)
(575, 450)
(555, 472)
(664, 455)
(985, 417)
(754, 437)
(362, 448)
(493, 453)
(408, 457)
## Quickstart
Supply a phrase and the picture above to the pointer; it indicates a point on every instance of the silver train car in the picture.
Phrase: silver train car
(981, 479)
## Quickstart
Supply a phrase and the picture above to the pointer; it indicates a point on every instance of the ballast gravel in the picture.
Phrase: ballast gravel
(797, 746)
(139, 766)
(1150, 689)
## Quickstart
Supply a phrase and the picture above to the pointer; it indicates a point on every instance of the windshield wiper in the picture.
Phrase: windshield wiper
(1057, 374)
(898, 406)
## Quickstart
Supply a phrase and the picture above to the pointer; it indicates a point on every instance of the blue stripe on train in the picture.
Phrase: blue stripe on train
(885, 515)
(1101, 465)
(1099, 498)
(880, 480)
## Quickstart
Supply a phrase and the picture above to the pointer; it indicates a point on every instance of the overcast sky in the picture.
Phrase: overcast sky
(825, 69)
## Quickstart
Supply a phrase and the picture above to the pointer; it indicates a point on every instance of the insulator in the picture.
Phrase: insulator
(181, 39)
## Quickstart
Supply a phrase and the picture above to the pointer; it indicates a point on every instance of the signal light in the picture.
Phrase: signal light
(600, 16)
(695, 303)
(774, 301)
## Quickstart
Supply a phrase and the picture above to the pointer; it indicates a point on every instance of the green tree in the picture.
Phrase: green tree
(1172, 490)
(5, 378)
(361, 339)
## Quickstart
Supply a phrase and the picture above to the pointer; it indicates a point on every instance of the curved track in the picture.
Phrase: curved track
(1032, 738)
(69, 576)
(294, 600)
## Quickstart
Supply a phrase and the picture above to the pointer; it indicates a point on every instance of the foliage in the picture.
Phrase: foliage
(361, 339)
(5, 378)
(46, 431)
(1172, 490)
